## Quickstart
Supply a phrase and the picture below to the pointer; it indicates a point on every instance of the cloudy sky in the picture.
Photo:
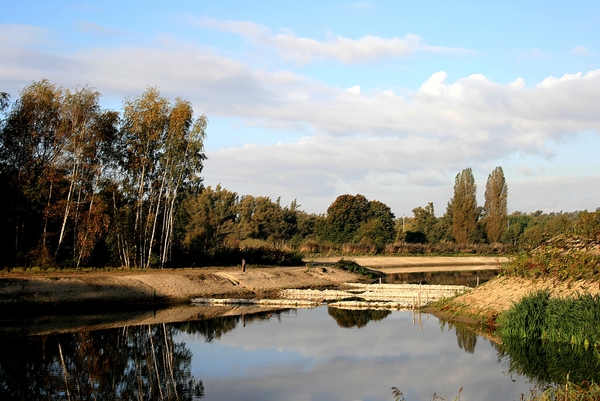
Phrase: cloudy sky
(313, 99)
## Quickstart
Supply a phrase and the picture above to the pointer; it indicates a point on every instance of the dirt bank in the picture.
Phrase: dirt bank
(483, 304)
(172, 286)
(159, 286)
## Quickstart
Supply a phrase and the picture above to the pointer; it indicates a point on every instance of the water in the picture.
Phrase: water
(469, 278)
(306, 354)
(296, 354)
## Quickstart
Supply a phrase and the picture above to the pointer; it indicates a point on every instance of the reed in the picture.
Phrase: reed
(574, 320)
(569, 391)
(399, 396)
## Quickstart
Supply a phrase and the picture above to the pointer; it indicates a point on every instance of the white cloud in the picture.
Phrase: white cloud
(97, 30)
(342, 49)
(581, 51)
(401, 150)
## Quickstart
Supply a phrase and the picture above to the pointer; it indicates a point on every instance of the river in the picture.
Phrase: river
(321, 353)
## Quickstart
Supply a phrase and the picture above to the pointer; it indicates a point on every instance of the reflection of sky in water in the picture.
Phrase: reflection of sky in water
(305, 355)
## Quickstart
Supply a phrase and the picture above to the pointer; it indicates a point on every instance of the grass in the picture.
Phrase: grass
(554, 340)
(574, 320)
(569, 392)
(398, 396)
(353, 267)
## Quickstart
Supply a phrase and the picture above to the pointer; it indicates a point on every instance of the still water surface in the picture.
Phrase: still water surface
(296, 354)
(308, 354)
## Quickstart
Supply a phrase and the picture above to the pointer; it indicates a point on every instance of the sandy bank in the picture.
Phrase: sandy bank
(100, 289)
(172, 286)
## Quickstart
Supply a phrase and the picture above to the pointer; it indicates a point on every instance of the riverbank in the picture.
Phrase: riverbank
(158, 287)
(177, 286)
(483, 304)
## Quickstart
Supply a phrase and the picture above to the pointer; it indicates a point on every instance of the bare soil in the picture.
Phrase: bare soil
(173, 286)
(500, 293)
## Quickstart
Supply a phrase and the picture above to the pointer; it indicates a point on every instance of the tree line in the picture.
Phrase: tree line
(86, 186)
(83, 185)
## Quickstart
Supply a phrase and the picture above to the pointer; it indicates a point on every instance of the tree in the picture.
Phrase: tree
(4, 101)
(379, 228)
(495, 206)
(30, 144)
(210, 219)
(163, 155)
(353, 219)
(464, 206)
(422, 228)
(344, 217)
(89, 134)
(260, 218)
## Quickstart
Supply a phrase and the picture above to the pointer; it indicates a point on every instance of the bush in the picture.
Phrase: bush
(353, 267)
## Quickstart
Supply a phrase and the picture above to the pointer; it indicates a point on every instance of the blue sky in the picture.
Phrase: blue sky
(310, 100)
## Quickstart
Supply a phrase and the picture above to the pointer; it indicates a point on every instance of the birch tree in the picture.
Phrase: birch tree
(89, 134)
(163, 156)
(30, 145)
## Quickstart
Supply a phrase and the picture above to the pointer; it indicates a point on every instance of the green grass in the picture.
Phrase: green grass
(574, 320)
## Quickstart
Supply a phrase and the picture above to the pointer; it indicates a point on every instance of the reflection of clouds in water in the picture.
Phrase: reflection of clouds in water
(309, 357)
(314, 333)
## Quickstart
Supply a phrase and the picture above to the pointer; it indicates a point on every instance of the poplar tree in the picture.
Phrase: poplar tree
(464, 206)
(495, 207)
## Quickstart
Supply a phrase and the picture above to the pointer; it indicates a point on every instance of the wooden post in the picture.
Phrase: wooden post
(477, 282)
(243, 265)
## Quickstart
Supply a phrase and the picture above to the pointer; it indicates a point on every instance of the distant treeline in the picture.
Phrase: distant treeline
(84, 186)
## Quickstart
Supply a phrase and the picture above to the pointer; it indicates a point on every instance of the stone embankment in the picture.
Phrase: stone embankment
(357, 296)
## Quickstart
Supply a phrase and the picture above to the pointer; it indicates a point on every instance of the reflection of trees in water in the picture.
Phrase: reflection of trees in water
(465, 338)
(210, 329)
(135, 362)
(356, 318)
(130, 363)
(551, 362)
(214, 328)
(468, 278)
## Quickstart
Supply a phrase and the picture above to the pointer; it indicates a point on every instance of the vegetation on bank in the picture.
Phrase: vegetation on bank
(573, 320)
(353, 267)
(555, 341)
(550, 339)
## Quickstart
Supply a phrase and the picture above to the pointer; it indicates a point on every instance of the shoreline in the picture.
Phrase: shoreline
(177, 286)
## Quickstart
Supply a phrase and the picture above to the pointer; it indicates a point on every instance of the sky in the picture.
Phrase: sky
(310, 100)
